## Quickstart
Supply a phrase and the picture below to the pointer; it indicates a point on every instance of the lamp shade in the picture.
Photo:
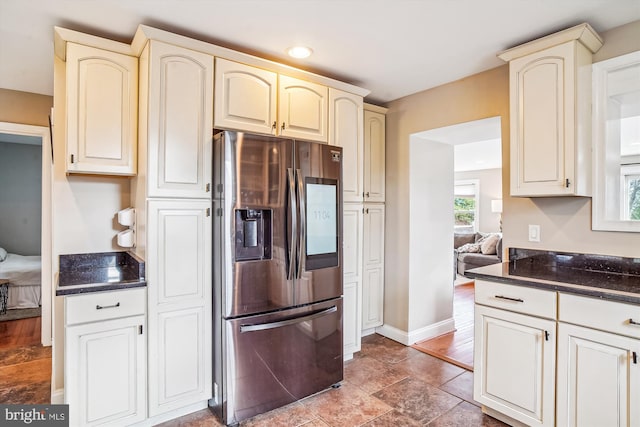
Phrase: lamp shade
(496, 206)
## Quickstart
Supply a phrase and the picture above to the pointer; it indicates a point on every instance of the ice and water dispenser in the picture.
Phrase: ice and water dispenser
(253, 234)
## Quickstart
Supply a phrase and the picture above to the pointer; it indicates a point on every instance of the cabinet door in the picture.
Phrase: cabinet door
(352, 274)
(302, 111)
(542, 122)
(352, 318)
(598, 378)
(180, 306)
(180, 122)
(373, 278)
(374, 156)
(102, 113)
(245, 97)
(514, 365)
(105, 370)
(345, 130)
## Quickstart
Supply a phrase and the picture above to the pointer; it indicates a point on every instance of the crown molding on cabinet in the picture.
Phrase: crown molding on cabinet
(145, 33)
(583, 33)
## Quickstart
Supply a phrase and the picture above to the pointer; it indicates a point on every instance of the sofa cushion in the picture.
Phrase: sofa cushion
(473, 260)
(460, 239)
(488, 244)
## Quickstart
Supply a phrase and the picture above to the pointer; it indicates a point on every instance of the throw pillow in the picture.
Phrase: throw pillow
(469, 248)
(488, 245)
(3, 254)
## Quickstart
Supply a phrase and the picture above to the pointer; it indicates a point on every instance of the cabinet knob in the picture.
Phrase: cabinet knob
(282, 125)
(273, 126)
(367, 194)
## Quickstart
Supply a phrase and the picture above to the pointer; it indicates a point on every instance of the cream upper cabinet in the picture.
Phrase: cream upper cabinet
(102, 99)
(253, 99)
(550, 109)
(245, 97)
(374, 153)
(176, 107)
(346, 131)
(302, 109)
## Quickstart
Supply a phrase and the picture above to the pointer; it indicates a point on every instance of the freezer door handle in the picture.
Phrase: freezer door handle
(303, 226)
(294, 224)
(288, 322)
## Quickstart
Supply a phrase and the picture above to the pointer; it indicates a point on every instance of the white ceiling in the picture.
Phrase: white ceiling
(391, 47)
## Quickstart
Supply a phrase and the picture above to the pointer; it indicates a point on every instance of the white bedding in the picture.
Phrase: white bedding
(24, 274)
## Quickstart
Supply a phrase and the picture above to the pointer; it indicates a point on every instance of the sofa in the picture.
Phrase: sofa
(472, 250)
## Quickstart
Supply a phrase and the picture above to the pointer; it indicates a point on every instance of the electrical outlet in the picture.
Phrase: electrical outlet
(534, 233)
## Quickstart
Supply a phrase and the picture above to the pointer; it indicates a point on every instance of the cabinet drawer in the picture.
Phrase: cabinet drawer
(610, 316)
(104, 305)
(515, 298)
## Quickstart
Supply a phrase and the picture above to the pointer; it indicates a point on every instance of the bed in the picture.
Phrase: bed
(24, 275)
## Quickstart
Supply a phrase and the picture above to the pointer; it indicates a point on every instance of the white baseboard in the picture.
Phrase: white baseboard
(409, 338)
(369, 331)
(158, 419)
(57, 396)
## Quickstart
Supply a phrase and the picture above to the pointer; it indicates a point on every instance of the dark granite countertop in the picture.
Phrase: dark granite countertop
(601, 276)
(97, 272)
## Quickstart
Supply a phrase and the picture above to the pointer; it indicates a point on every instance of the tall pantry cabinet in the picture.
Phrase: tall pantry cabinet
(360, 130)
(373, 210)
(172, 196)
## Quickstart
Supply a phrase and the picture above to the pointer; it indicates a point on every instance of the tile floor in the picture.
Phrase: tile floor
(386, 384)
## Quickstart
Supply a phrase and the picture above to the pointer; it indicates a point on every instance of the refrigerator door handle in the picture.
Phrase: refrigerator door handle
(294, 224)
(288, 322)
(302, 244)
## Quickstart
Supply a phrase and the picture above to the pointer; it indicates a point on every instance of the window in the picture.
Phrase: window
(465, 206)
(630, 184)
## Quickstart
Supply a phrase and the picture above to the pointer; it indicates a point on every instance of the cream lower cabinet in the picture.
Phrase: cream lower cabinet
(352, 278)
(180, 307)
(102, 119)
(373, 266)
(598, 370)
(514, 354)
(105, 358)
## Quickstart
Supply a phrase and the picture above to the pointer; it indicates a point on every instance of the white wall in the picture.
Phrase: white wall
(490, 189)
(20, 198)
(565, 221)
(430, 240)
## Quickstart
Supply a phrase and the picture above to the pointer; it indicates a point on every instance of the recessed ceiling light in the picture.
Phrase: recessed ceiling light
(299, 52)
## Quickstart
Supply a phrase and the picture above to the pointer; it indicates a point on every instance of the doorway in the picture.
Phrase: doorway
(475, 175)
(38, 136)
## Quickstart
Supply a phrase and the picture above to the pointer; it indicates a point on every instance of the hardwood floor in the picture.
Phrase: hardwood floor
(456, 347)
(19, 333)
(25, 365)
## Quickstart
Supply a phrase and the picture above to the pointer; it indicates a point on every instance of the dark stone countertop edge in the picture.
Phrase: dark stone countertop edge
(98, 287)
(604, 294)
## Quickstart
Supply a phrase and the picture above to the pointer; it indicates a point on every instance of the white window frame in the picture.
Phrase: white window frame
(475, 183)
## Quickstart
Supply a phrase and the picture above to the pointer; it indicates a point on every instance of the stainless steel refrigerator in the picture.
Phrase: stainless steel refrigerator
(277, 272)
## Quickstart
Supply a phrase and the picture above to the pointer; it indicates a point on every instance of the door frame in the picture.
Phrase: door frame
(46, 238)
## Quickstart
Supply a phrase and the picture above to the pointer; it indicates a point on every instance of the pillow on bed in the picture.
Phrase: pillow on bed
(3, 254)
